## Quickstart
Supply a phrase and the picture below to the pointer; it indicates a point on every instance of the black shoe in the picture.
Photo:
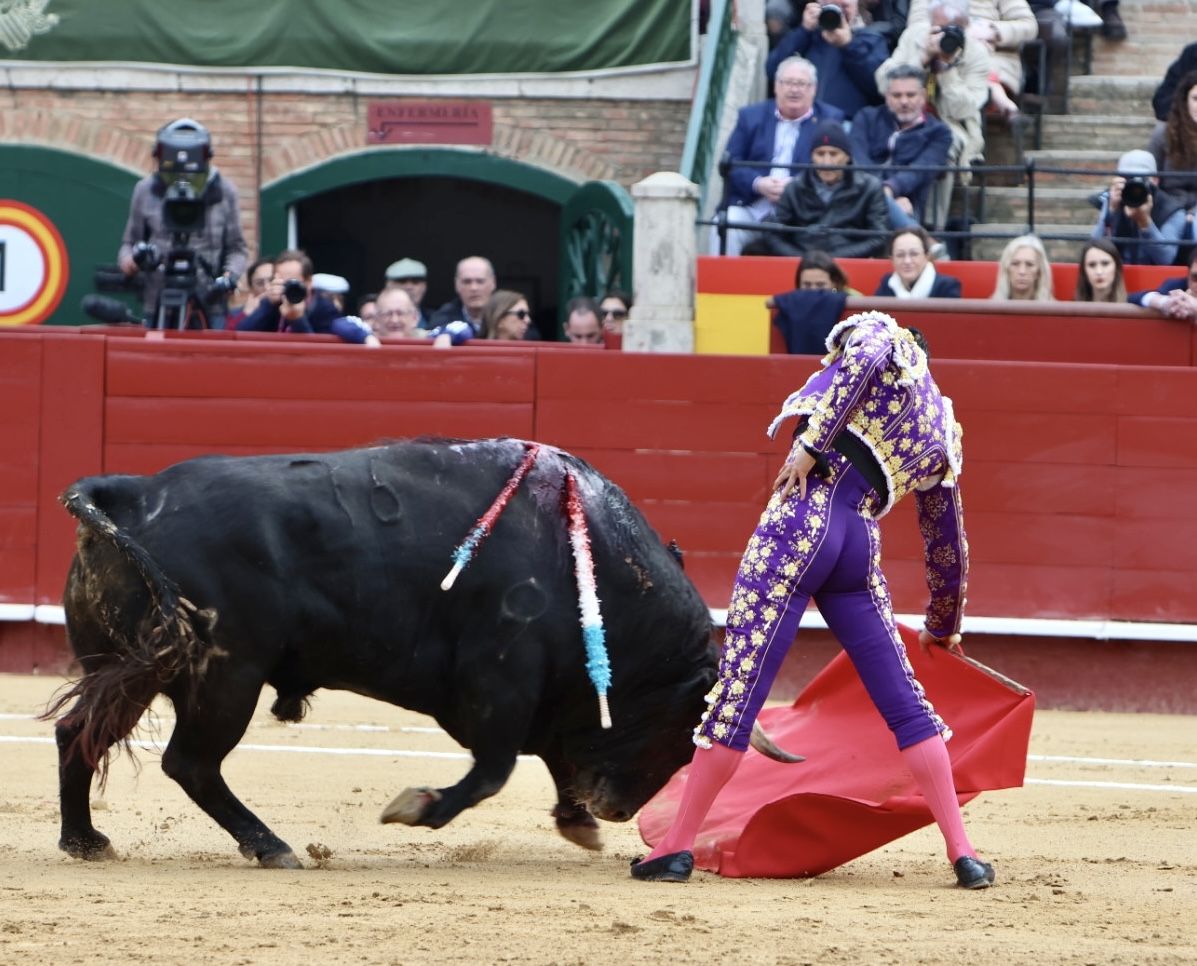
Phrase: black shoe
(674, 867)
(972, 873)
(1112, 27)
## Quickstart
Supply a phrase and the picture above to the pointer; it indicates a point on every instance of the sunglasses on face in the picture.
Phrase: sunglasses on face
(520, 314)
(615, 313)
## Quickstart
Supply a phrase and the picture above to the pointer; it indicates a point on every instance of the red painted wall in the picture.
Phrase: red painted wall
(1076, 483)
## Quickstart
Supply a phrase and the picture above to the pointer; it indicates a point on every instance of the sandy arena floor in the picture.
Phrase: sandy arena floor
(1096, 860)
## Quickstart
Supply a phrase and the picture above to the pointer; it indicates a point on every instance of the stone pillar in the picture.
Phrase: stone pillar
(663, 265)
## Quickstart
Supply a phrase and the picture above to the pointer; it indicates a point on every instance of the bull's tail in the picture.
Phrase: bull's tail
(143, 653)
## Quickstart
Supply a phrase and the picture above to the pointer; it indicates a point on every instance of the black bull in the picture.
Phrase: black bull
(220, 575)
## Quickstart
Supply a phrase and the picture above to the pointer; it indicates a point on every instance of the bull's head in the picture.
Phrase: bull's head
(616, 771)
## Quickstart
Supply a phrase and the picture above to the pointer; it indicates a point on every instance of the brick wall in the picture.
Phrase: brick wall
(623, 141)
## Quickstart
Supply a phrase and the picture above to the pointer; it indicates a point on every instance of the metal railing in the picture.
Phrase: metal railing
(1029, 171)
(718, 55)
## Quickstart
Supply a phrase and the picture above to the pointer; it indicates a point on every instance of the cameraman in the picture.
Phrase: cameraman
(1136, 209)
(182, 151)
(845, 53)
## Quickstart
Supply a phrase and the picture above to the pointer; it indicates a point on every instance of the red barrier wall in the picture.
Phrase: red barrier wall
(1077, 477)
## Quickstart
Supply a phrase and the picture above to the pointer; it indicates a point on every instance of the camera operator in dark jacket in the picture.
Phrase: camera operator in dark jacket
(1136, 209)
(289, 304)
(827, 199)
(183, 150)
(845, 52)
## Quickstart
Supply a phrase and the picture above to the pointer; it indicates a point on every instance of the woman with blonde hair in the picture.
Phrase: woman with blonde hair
(1099, 273)
(506, 316)
(1024, 272)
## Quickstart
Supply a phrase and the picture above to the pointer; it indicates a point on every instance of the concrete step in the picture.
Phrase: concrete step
(1142, 53)
(1084, 132)
(1100, 162)
(1128, 96)
(1062, 206)
(990, 249)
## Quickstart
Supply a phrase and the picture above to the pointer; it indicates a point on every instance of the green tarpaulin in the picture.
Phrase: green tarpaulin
(372, 36)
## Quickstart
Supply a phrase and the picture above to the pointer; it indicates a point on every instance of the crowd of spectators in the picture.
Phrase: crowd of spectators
(918, 127)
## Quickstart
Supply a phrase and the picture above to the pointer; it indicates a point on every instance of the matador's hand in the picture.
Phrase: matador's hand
(794, 473)
(950, 643)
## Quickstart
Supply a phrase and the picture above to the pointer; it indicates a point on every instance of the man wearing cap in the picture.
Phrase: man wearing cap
(1140, 218)
(831, 203)
(332, 287)
(474, 283)
(411, 276)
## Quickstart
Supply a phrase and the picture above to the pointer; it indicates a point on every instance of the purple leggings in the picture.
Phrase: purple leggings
(827, 547)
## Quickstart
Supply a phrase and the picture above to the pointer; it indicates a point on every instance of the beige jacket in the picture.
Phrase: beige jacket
(1016, 24)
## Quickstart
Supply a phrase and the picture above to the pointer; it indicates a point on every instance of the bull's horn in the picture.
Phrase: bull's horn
(764, 744)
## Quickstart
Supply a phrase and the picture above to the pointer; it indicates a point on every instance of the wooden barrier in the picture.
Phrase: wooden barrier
(1076, 483)
(730, 313)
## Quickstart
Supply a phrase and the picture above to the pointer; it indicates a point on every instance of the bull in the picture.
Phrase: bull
(220, 575)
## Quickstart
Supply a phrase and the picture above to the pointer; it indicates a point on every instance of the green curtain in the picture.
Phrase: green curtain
(372, 36)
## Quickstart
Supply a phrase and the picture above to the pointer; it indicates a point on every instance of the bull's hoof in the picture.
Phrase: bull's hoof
(410, 806)
(89, 848)
(280, 860)
(587, 836)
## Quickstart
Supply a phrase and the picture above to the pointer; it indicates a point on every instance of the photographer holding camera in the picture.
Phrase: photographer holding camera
(845, 53)
(1144, 221)
(289, 304)
(184, 232)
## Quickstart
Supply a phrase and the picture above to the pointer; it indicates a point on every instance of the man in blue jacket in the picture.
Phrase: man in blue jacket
(901, 132)
(844, 51)
(779, 131)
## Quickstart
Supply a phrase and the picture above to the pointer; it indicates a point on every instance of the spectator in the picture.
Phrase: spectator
(1148, 230)
(1174, 146)
(332, 287)
(888, 18)
(506, 316)
(613, 311)
(582, 323)
(779, 131)
(1024, 273)
(1112, 27)
(367, 308)
(778, 21)
(250, 289)
(411, 276)
(1099, 273)
(843, 51)
(1002, 26)
(806, 315)
(828, 201)
(183, 150)
(474, 283)
(293, 307)
(395, 315)
(1161, 101)
(958, 72)
(898, 133)
(1175, 298)
(914, 275)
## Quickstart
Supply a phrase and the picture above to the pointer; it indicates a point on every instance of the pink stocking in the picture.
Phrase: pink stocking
(928, 761)
(710, 770)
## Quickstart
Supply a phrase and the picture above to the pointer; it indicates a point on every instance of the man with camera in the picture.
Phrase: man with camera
(958, 82)
(184, 235)
(289, 304)
(845, 53)
(1140, 218)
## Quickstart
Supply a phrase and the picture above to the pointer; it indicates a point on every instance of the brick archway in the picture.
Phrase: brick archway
(540, 149)
(62, 131)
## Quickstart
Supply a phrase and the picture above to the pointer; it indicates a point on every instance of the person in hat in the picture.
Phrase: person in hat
(411, 276)
(332, 287)
(839, 211)
(1140, 218)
